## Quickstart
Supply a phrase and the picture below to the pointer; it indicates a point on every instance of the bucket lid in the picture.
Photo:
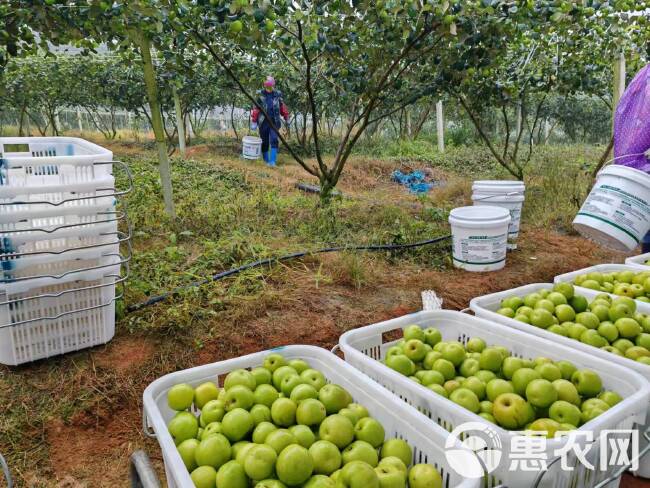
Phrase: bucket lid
(516, 183)
(480, 213)
(498, 186)
(251, 139)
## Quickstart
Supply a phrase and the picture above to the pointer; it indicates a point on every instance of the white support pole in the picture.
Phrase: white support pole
(519, 118)
(79, 122)
(440, 126)
(190, 129)
(409, 129)
(619, 83)
(547, 130)
(180, 123)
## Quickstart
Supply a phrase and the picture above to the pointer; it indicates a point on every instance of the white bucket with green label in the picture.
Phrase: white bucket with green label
(616, 213)
(251, 147)
(479, 237)
(502, 193)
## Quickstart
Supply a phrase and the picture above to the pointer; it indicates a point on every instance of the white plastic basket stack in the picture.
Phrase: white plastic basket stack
(365, 346)
(59, 246)
(399, 420)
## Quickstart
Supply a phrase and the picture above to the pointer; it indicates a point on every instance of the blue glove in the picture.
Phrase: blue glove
(253, 126)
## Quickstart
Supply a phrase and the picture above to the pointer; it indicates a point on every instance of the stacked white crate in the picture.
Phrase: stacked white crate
(59, 247)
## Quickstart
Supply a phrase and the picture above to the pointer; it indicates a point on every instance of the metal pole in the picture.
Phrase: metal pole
(619, 83)
(141, 471)
(7, 473)
(440, 126)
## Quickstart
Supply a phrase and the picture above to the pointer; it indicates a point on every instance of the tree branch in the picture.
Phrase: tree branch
(532, 130)
(484, 136)
(312, 101)
(506, 143)
(312, 171)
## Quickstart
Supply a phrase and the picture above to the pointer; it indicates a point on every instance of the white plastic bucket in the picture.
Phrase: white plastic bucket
(502, 193)
(616, 212)
(479, 237)
(251, 147)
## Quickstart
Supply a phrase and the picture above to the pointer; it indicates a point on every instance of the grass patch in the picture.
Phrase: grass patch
(224, 221)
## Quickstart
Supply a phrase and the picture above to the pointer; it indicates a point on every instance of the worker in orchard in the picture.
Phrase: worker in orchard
(271, 100)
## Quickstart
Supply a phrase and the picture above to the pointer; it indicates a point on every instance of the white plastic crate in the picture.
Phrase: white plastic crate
(363, 348)
(32, 158)
(45, 225)
(57, 245)
(27, 269)
(24, 201)
(399, 420)
(639, 260)
(42, 172)
(601, 268)
(487, 305)
(61, 317)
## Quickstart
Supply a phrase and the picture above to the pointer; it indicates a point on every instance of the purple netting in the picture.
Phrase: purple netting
(632, 123)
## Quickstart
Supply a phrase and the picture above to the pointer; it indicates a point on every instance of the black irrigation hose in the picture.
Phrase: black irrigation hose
(377, 247)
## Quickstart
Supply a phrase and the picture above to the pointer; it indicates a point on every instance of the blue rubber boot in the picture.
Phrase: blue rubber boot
(265, 155)
(273, 156)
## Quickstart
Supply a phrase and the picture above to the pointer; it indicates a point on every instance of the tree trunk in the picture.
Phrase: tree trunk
(156, 121)
(21, 122)
(603, 159)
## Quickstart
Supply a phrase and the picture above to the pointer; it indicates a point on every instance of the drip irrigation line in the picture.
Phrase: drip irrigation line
(287, 257)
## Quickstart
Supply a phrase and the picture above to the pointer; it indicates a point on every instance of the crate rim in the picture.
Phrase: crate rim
(638, 260)
(97, 150)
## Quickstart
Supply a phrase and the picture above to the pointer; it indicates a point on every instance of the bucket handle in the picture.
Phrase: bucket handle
(509, 194)
(646, 154)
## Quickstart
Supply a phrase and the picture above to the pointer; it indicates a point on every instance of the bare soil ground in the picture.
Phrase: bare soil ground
(314, 301)
(93, 449)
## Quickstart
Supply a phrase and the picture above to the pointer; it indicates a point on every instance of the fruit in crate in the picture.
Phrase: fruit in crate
(281, 424)
(611, 324)
(632, 284)
(513, 392)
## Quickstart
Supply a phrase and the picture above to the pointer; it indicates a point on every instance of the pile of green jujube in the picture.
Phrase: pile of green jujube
(611, 324)
(283, 425)
(625, 283)
(539, 396)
